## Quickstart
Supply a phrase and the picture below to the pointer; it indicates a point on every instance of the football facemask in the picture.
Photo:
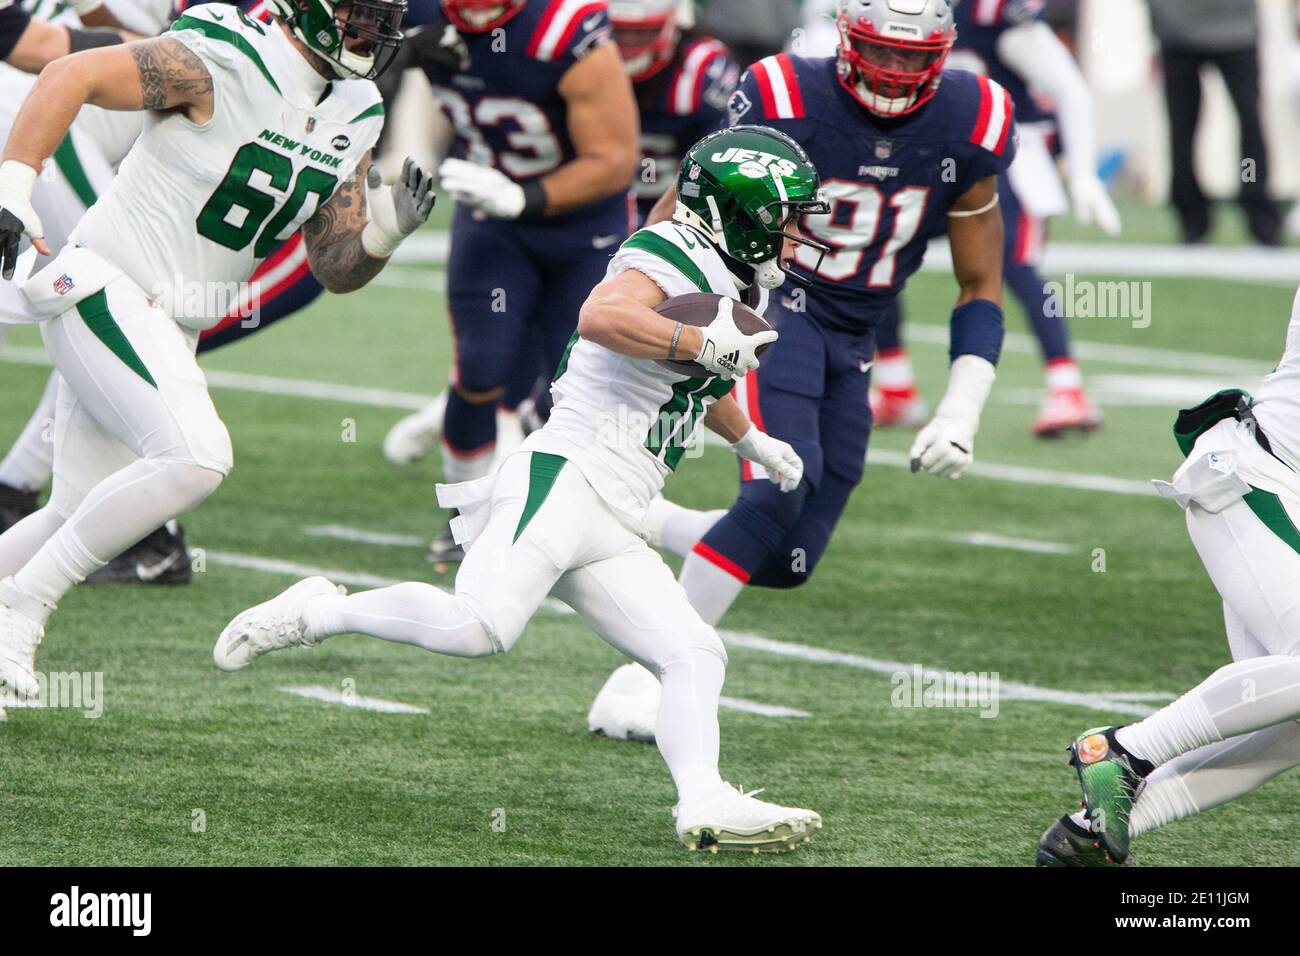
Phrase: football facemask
(479, 16)
(647, 33)
(358, 38)
(891, 75)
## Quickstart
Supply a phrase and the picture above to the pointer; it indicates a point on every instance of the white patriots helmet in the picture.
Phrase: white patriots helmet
(892, 52)
(647, 33)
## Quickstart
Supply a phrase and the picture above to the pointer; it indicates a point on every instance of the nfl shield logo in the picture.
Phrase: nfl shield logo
(63, 284)
(884, 149)
(311, 123)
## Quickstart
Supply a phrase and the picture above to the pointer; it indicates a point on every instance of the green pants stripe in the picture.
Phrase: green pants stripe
(543, 469)
(93, 310)
(1268, 508)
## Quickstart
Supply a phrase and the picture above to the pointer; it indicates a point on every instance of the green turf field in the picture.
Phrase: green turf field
(502, 770)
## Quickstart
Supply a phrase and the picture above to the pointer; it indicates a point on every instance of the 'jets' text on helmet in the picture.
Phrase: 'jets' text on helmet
(892, 51)
(743, 187)
(479, 16)
(647, 33)
(358, 38)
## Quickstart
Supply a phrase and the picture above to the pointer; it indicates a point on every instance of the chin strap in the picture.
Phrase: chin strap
(770, 275)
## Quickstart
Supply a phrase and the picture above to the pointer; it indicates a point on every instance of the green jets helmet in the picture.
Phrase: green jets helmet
(743, 188)
(373, 28)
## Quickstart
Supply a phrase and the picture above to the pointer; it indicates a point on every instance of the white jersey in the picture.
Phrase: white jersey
(1277, 401)
(626, 423)
(201, 205)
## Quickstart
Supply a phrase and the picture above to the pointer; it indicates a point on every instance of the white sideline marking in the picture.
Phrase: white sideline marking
(762, 710)
(411, 279)
(1122, 703)
(362, 536)
(986, 539)
(375, 704)
(1007, 690)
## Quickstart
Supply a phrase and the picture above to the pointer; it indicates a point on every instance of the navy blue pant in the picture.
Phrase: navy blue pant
(811, 392)
(1021, 256)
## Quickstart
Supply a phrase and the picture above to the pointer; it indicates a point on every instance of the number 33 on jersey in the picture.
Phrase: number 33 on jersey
(890, 183)
(204, 203)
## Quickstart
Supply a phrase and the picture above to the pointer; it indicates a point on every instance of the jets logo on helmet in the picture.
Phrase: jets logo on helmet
(892, 52)
(357, 38)
(647, 33)
(479, 16)
(744, 188)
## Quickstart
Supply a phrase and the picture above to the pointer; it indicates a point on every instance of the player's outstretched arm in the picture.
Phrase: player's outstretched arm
(157, 74)
(946, 446)
(782, 463)
(351, 237)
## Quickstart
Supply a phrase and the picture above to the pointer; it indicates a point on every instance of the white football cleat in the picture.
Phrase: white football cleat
(19, 638)
(272, 625)
(734, 820)
(627, 706)
(416, 435)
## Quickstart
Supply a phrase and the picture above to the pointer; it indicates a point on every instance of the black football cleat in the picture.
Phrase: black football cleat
(15, 505)
(444, 549)
(1065, 843)
(161, 558)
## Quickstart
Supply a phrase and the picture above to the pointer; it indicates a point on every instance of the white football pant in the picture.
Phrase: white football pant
(137, 442)
(548, 532)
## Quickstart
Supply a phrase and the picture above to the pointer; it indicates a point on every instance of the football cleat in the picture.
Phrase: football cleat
(415, 436)
(444, 549)
(19, 638)
(1109, 784)
(898, 408)
(270, 626)
(15, 505)
(161, 558)
(1066, 409)
(627, 706)
(1065, 843)
(734, 820)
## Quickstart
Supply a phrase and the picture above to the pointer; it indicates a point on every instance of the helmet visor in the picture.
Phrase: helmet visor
(372, 28)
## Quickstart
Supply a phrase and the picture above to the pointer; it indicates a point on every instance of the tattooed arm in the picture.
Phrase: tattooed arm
(333, 238)
(156, 74)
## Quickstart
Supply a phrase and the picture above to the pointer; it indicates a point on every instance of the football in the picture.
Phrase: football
(699, 309)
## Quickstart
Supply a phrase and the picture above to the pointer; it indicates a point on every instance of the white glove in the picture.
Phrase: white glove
(482, 187)
(395, 211)
(1093, 203)
(946, 446)
(726, 351)
(17, 217)
(782, 463)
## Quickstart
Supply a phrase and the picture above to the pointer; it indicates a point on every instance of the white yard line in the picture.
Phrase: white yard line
(360, 535)
(376, 704)
(1020, 474)
(986, 539)
(761, 710)
(1123, 703)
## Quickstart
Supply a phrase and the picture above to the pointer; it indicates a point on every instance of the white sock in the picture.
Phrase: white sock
(1214, 774)
(119, 511)
(677, 528)
(710, 589)
(411, 613)
(1063, 375)
(457, 468)
(1238, 698)
(30, 461)
(893, 371)
(20, 543)
(686, 729)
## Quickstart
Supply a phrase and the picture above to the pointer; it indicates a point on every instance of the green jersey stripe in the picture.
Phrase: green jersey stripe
(1268, 508)
(69, 163)
(93, 310)
(543, 469)
(564, 359)
(214, 32)
(657, 245)
(376, 110)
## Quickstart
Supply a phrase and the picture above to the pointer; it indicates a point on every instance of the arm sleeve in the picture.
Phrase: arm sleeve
(1043, 62)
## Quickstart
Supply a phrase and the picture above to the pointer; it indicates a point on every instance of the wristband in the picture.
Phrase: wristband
(377, 243)
(976, 329)
(677, 334)
(79, 40)
(534, 201)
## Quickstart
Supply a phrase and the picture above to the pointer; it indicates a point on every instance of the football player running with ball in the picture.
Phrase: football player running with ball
(1240, 727)
(563, 514)
(253, 131)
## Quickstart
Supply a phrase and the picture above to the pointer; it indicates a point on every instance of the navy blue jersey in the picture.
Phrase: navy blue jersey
(680, 105)
(13, 21)
(890, 183)
(506, 106)
(980, 24)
